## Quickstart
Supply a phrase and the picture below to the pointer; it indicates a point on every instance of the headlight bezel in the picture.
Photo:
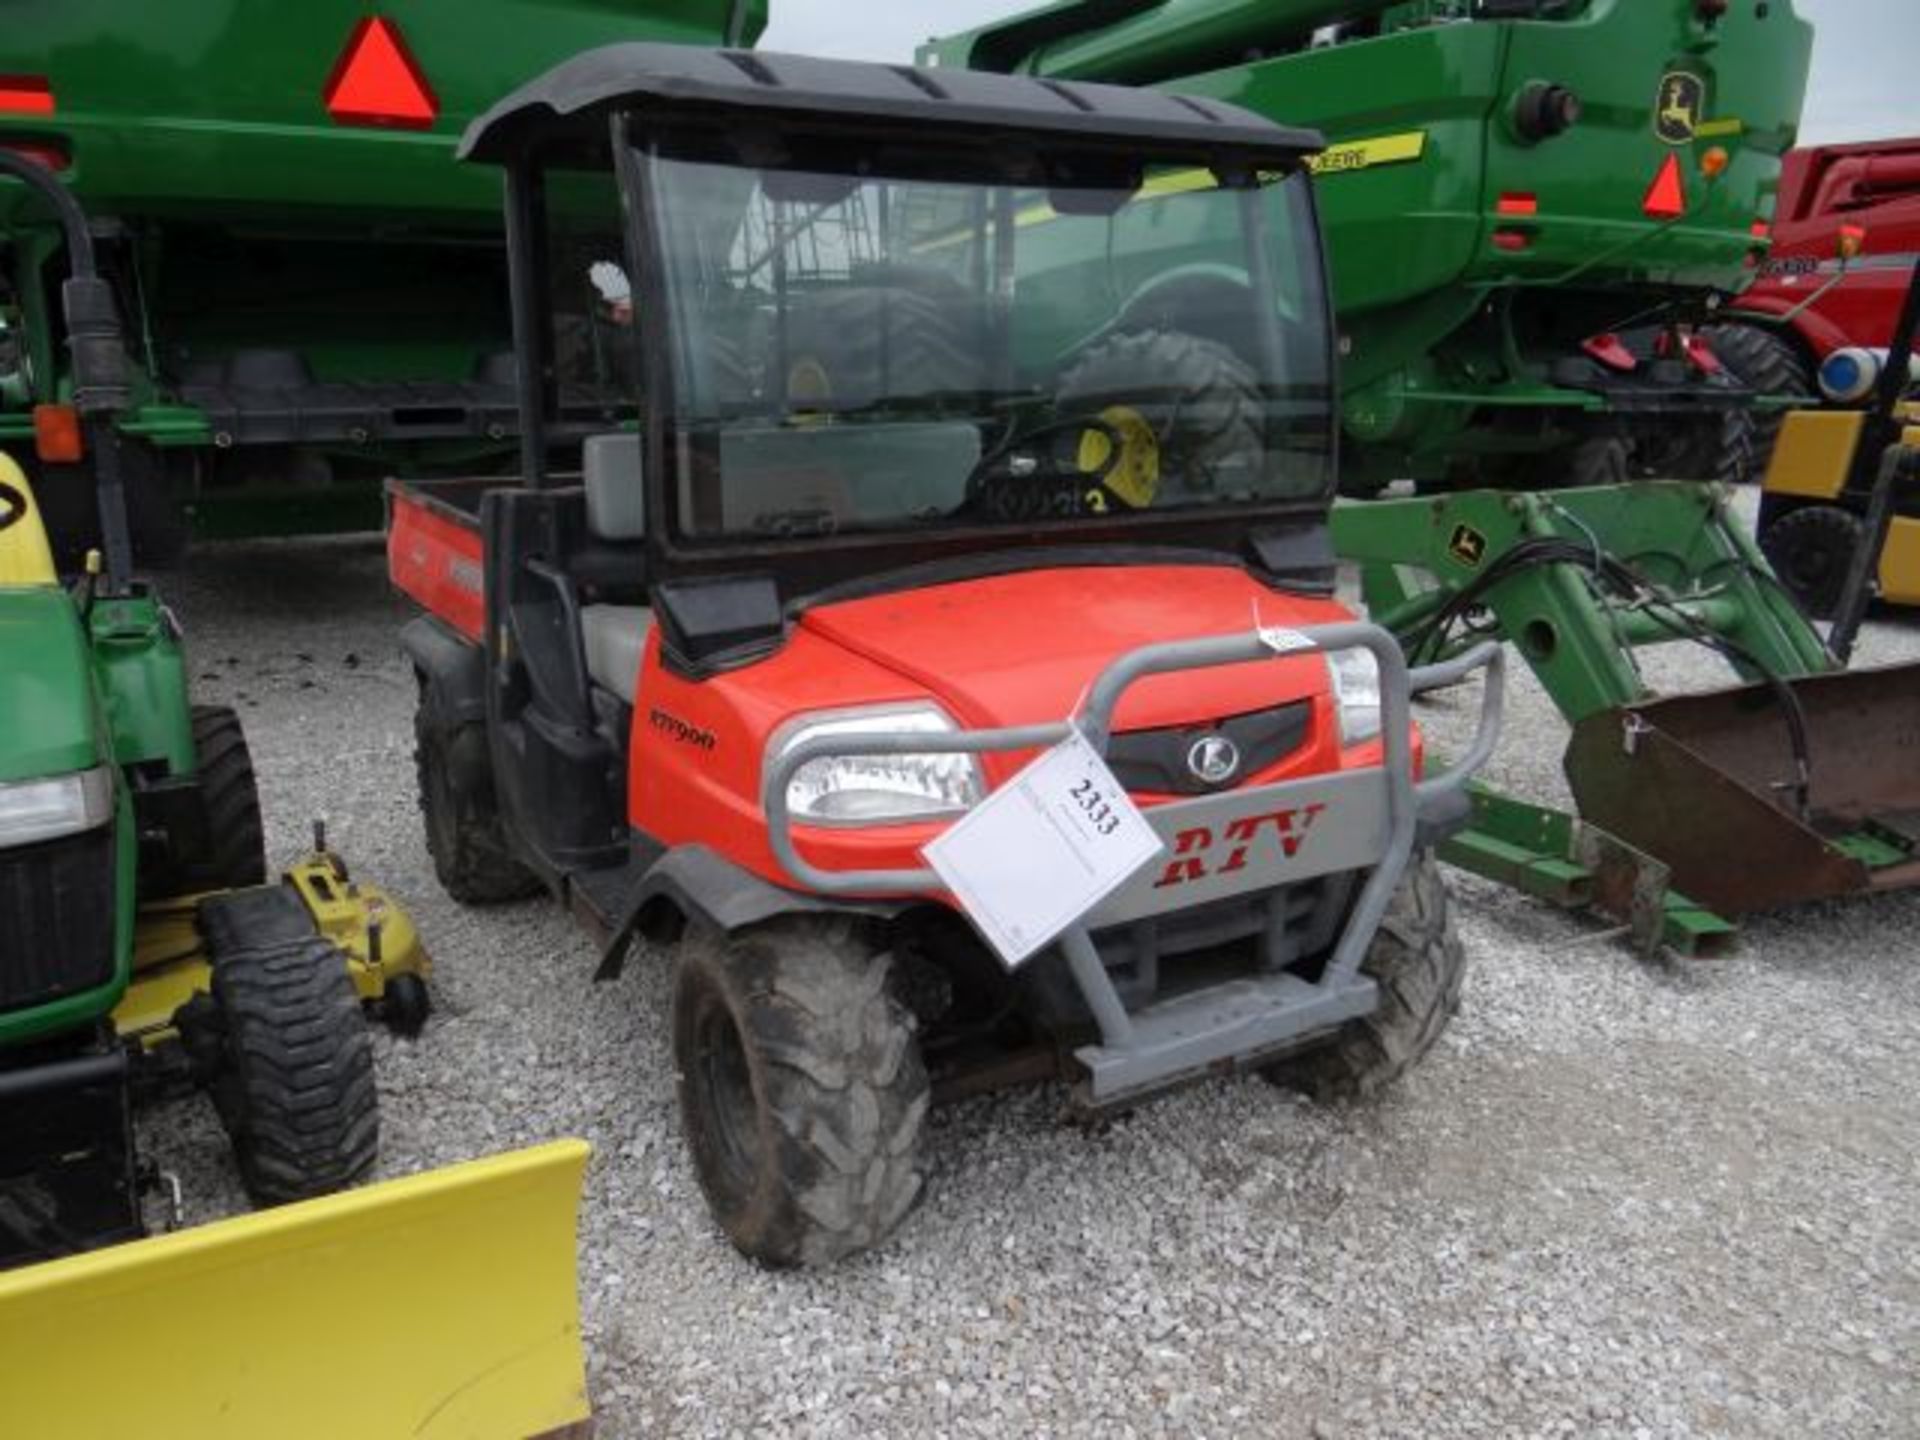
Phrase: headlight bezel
(1353, 675)
(54, 807)
(922, 716)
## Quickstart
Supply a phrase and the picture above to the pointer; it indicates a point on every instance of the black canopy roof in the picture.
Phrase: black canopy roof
(682, 79)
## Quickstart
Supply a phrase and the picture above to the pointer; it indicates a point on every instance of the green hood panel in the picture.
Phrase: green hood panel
(46, 686)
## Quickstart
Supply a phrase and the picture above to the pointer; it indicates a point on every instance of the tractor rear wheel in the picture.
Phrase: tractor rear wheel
(236, 856)
(1811, 549)
(1418, 963)
(293, 1077)
(1200, 400)
(801, 1089)
(466, 834)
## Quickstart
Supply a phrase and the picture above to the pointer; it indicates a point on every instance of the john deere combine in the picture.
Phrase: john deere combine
(315, 293)
(1532, 207)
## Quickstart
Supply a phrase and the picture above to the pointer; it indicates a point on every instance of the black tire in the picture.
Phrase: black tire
(1811, 549)
(1697, 447)
(405, 1005)
(466, 834)
(801, 1089)
(237, 853)
(858, 345)
(1418, 962)
(1202, 401)
(1601, 460)
(1773, 365)
(294, 1083)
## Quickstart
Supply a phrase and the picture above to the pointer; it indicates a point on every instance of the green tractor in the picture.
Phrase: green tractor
(139, 940)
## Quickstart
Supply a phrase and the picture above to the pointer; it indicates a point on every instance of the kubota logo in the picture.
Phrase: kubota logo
(1195, 850)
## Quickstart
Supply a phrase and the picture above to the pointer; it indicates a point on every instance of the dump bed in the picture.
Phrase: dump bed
(434, 552)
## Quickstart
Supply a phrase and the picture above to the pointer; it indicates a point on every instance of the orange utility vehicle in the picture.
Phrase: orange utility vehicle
(892, 503)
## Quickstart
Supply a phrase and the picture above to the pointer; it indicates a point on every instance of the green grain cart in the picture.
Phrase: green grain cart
(1532, 207)
(315, 295)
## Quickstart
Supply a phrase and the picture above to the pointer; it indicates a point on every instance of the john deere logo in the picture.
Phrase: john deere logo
(1676, 115)
(1468, 546)
(1213, 760)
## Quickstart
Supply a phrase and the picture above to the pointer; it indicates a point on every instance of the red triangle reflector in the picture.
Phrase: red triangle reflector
(1667, 196)
(377, 81)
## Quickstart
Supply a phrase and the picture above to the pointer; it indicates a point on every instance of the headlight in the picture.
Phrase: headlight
(1356, 693)
(35, 810)
(879, 789)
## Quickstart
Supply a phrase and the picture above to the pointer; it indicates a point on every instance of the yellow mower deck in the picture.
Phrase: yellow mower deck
(440, 1305)
(171, 965)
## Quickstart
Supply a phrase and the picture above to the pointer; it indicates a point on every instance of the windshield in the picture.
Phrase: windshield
(863, 353)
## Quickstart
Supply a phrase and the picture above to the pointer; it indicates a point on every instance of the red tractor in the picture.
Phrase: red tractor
(865, 502)
(1846, 236)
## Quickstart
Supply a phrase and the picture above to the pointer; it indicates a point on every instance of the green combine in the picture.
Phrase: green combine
(315, 294)
(1533, 207)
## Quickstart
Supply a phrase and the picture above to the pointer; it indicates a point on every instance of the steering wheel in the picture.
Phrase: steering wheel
(1054, 487)
(13, 505)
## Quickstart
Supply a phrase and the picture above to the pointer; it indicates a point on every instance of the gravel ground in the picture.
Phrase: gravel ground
(1618, 1200)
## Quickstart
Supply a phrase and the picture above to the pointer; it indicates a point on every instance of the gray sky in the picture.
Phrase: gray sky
(1864, 86)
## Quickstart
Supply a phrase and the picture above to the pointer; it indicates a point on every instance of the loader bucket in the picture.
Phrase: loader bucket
(439, 1305)
(1707, 782)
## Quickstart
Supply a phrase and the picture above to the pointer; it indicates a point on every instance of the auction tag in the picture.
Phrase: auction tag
(1283, 641)
(1044, 849)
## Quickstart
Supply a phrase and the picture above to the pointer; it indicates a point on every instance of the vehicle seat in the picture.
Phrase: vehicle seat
(614, 637)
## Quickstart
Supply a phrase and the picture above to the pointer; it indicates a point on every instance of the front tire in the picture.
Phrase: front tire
(801, 1089)
(294, 1084)
(1811, 549)
(1418, 962)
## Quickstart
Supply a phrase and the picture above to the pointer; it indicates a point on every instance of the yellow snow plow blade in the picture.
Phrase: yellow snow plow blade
(439, 1305)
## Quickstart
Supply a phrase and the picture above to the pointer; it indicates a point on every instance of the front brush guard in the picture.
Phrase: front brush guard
(1369, 821)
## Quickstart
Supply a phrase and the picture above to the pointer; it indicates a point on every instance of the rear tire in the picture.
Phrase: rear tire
(294, 1084)
(1202, 401)
(466, 834)
(1811, 549)
(237, 852)
(801, 1089)
(1418, 962)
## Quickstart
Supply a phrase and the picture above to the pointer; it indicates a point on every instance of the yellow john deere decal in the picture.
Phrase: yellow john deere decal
(1681, 103)
(1365, 154)
(1720, 129)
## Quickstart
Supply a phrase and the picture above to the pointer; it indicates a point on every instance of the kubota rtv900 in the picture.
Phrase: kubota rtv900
(890, 503)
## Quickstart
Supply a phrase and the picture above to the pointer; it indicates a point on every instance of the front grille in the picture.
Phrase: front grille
(1156, 761)
(56, 919)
